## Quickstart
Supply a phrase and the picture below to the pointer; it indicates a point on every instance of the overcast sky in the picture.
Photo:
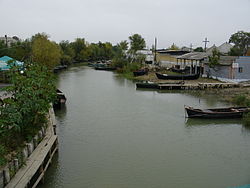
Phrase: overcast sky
(172, 21)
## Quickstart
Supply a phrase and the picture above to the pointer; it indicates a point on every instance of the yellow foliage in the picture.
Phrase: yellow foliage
(45, 52)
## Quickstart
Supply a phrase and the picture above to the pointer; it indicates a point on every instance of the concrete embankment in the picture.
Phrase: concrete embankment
(29, 168)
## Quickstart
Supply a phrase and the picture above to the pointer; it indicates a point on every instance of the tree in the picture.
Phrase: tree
(198, 49)
(44, 51)
(173, 47)
(79, 45)
(21, 50)
(136, 43)
(123, 45)
(241, 40)
(67, 52)
(25, 112)
(214, 59)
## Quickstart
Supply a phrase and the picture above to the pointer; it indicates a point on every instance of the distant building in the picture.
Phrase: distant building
(9, 40)
(230, 68)
(169, 57)
(223, 49)
(149, 56)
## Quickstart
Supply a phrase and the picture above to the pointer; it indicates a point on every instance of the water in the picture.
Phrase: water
(114, 136)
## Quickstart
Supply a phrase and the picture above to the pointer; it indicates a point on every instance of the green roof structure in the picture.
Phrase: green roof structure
(6, 62)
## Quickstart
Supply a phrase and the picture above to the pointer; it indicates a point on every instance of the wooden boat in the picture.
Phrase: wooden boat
(231, 112)
(177, 77)
(185, 70)
(60, 99)
(105, 68)
(151, 85)
(140, 72)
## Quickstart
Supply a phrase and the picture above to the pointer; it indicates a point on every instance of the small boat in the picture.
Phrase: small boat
(177, 77)
(185, 70)
(140, 72)
(148, 84)
(105, 68)
(60, 99)
(231, 112)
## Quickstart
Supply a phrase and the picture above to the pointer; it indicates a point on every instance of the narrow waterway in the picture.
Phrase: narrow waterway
(114, 136)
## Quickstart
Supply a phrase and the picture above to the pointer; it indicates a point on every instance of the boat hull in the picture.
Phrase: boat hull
(177, 77)
(234, 112)
(140, 73)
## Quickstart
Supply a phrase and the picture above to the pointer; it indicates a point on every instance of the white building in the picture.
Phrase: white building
(10, 40)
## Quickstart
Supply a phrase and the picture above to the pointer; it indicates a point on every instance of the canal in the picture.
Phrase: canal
(114, 136)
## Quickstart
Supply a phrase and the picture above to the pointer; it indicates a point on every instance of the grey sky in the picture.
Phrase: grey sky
(172, 21)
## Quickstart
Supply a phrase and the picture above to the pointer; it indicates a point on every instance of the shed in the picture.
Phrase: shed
(194, 60)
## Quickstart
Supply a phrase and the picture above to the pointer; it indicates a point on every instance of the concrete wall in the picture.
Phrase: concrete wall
(218, 71)
(227, 73)
(244, 65)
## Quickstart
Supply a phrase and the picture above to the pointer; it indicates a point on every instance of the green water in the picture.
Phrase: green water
(114, 136)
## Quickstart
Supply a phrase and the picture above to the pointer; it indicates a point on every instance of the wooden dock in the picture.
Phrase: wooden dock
(36, 165)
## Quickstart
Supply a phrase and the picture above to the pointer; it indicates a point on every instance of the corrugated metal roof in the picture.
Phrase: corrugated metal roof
(194, 56)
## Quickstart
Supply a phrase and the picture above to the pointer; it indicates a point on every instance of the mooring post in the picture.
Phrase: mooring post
(6, 174)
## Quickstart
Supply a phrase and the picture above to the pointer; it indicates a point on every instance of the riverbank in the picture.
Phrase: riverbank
(28, 168)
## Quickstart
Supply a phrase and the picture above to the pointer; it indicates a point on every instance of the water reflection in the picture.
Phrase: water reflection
(193, 122)
(60, 113)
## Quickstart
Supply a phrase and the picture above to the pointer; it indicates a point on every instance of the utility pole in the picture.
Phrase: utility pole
(191, 47)
(155, 50)
(205, 41)
(6, 39)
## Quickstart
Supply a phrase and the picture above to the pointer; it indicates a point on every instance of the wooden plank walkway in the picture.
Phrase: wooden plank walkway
(36, 164)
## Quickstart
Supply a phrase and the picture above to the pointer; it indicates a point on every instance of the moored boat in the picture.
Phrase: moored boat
(140, 72)
(179, 70)
(231, 112)
(60, 99)
(148, 84)
(105, 68)
(177, 77)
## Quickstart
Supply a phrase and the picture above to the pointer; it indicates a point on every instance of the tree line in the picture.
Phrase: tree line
(40, 49)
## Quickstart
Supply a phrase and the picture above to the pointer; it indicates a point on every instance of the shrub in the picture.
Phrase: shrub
(2, 154)
(240, 100)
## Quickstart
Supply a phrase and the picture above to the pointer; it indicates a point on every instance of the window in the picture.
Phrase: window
(240, 69)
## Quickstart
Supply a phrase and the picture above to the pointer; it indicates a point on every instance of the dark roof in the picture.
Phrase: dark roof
(173, 52)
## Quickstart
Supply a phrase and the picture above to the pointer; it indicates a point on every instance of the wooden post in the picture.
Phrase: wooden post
(6, 173)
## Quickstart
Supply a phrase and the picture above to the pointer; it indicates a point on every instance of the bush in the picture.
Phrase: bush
(2, 154)
(241, 100)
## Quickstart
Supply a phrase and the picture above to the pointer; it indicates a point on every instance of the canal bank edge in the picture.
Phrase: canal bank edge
(37, 157)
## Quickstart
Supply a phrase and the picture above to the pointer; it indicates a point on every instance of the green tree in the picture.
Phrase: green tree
(25, 112)
(67, 52)
(173, 47)
(214, 59)
(44, 51)
(79, 45)
(198, 49)
(136, 43)
(21, 50)
(241, 41)
(123, 45)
